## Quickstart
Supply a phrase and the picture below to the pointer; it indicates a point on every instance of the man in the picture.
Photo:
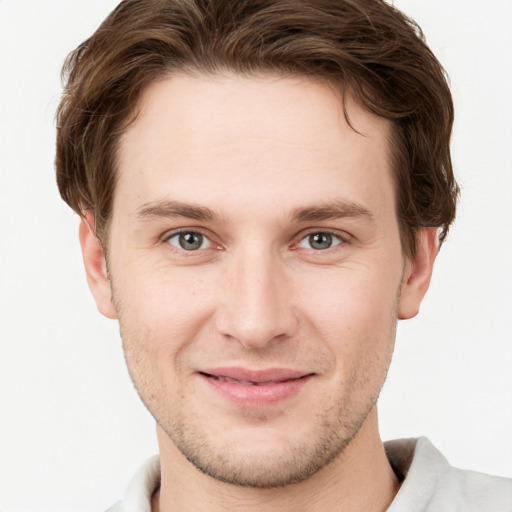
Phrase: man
(263, 188)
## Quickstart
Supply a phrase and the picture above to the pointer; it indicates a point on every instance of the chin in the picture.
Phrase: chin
(260, 456)
(265, 468)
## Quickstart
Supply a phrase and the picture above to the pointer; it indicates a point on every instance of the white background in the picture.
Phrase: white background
(72, 430)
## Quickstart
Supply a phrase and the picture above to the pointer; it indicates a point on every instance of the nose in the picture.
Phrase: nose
(256, 303)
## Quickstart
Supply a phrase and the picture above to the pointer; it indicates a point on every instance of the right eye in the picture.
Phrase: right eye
(320, 241)
(189, 241)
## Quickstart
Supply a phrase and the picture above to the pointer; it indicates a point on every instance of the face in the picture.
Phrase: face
(256, 271)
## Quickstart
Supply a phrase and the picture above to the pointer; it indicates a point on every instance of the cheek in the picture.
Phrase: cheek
(355, 316)
(162, 310)
(351, 301)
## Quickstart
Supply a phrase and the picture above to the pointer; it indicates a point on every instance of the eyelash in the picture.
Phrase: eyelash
(192, 231)
(341, 238)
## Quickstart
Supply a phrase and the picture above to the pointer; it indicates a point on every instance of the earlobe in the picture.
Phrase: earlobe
(96, 267)
(417, 273)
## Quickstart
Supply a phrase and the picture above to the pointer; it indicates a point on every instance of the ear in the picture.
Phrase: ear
(417, 273)
(96, 267)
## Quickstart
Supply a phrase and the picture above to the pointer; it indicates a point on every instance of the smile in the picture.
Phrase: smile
(248, 382)
(255, 388)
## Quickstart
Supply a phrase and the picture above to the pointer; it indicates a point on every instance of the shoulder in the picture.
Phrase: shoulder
(118, 507)
(476, 491)
(432, 484)
(141, 488)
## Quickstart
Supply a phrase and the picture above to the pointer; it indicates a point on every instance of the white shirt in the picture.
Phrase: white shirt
(429, 484)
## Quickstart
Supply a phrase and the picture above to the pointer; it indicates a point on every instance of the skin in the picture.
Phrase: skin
(256, 166)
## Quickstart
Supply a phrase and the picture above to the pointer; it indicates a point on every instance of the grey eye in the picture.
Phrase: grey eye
(320, 241)
(189, 241)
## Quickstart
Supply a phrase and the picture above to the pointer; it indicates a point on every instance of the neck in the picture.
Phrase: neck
(359, 479)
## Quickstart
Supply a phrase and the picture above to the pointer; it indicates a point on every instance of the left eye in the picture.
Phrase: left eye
(189, 241)
(320, 241)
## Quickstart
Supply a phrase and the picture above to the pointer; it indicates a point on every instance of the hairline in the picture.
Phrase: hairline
(341, 88)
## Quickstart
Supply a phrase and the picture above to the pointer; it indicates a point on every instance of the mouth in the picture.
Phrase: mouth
(248, 382)
(255, 388)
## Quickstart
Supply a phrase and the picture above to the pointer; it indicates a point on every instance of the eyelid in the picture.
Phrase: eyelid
(344, 237)
(175, 232)
(204, 241)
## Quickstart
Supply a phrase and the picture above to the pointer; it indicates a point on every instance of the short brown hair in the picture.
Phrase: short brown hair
(366, 46)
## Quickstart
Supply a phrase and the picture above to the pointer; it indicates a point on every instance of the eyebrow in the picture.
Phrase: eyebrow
(169, 209)
(330, 211)
(325, 211)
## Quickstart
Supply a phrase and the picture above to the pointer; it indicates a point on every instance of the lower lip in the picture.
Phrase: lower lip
(257, 395)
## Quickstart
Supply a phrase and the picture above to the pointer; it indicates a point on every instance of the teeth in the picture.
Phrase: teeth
(244, 382)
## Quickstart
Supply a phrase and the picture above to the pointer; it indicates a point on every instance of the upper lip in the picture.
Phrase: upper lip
(254, 375)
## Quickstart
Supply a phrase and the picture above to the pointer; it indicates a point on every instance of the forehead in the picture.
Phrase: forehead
(229, 140)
